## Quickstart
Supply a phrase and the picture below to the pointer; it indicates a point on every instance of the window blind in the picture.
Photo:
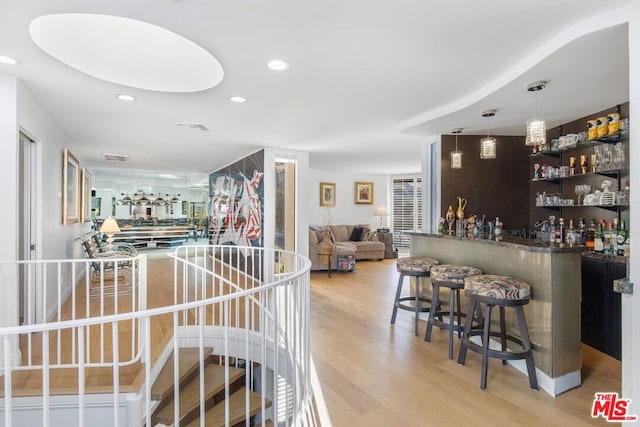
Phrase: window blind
(407, 209)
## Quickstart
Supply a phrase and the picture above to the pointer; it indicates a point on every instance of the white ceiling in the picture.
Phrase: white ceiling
(369, 79)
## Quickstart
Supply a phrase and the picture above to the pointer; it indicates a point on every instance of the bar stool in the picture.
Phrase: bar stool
(452, 277)
(501, 291)
(418, 267)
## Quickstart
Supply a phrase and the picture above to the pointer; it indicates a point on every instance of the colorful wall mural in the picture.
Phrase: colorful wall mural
(237, 203)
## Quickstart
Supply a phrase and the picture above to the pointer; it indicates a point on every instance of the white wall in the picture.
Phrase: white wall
(346, 211)
(53, 240)
(631, 303)
(8, 215)
(57, 239)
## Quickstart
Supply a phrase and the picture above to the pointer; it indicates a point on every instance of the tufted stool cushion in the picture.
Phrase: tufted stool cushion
(413, 265)
(453, 273)
(497, 287)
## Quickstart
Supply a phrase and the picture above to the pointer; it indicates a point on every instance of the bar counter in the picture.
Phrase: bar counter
(553, 314)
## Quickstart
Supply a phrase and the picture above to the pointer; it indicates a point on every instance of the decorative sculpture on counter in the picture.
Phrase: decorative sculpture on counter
(462, 203)
(471, 227)
(451, 218)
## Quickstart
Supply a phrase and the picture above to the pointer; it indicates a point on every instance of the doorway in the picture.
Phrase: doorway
(27, 221)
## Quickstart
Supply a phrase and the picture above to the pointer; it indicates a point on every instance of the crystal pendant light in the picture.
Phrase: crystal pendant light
(536, 127)
(456, 156)
(488, 144)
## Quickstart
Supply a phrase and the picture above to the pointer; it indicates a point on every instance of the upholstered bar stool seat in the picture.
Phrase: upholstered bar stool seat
(502, 291)
(418, 267)
(452, 277)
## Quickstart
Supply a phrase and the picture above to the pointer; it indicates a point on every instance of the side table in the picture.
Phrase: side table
(387, 239)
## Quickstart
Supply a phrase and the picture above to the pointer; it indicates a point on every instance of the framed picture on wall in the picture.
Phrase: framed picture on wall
(327, 194)
(85, 212)
(364, 193)
(70, 188)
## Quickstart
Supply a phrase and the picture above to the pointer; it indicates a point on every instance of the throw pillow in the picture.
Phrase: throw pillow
(356, 234)
(369, 237)
(365, 232)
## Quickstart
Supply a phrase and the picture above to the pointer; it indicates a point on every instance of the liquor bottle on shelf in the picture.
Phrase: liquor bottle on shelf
(599, 239)
(622, 238)
(591, 235)
(573, 236)
(582, 230)
(614, 237)
(560, 231)
(609, 236)
(552, 229)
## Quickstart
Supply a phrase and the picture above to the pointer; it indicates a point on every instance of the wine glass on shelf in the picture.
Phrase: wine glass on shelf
(618, 156)
(597, 163)
(607, 157)
(582, 190)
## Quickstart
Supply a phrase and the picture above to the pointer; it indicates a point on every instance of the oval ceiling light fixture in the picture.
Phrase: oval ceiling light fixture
(125, 97)
(127, 52)
(238, 99)
(278, 65)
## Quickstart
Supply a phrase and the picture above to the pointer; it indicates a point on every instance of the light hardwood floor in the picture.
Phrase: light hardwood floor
(376, 374)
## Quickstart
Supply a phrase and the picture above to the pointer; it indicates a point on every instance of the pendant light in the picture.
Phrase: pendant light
(536, 127)
(456, 156)
(488, 144)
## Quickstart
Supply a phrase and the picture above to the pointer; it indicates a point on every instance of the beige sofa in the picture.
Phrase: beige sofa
(368, 247)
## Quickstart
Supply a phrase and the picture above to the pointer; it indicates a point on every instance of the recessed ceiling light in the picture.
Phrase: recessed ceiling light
(125, 97)
(278, 65)
(4, 59)
(238, 99)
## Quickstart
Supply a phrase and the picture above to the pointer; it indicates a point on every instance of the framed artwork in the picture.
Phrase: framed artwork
(364, 193)
(85, 212)
(70, 188)
(327, 194)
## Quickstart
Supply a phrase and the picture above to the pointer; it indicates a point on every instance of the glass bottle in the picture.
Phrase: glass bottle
(622, 237)
(573, 237)
(614, 236)
(582, 230)
(560, 231)
(552, 229)
(591, 235)
(608, 238)
(599, 239)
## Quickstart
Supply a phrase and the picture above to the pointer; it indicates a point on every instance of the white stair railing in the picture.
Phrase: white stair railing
(251, 305)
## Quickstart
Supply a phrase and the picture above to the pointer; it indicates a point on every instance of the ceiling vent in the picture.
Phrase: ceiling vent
(116, 157)
(193, 126)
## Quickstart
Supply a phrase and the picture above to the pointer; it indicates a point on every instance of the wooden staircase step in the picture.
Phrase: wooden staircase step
(214, 417)
(188, 364)
(214, 383)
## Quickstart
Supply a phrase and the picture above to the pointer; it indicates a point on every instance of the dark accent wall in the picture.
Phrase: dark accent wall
(496, 187)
